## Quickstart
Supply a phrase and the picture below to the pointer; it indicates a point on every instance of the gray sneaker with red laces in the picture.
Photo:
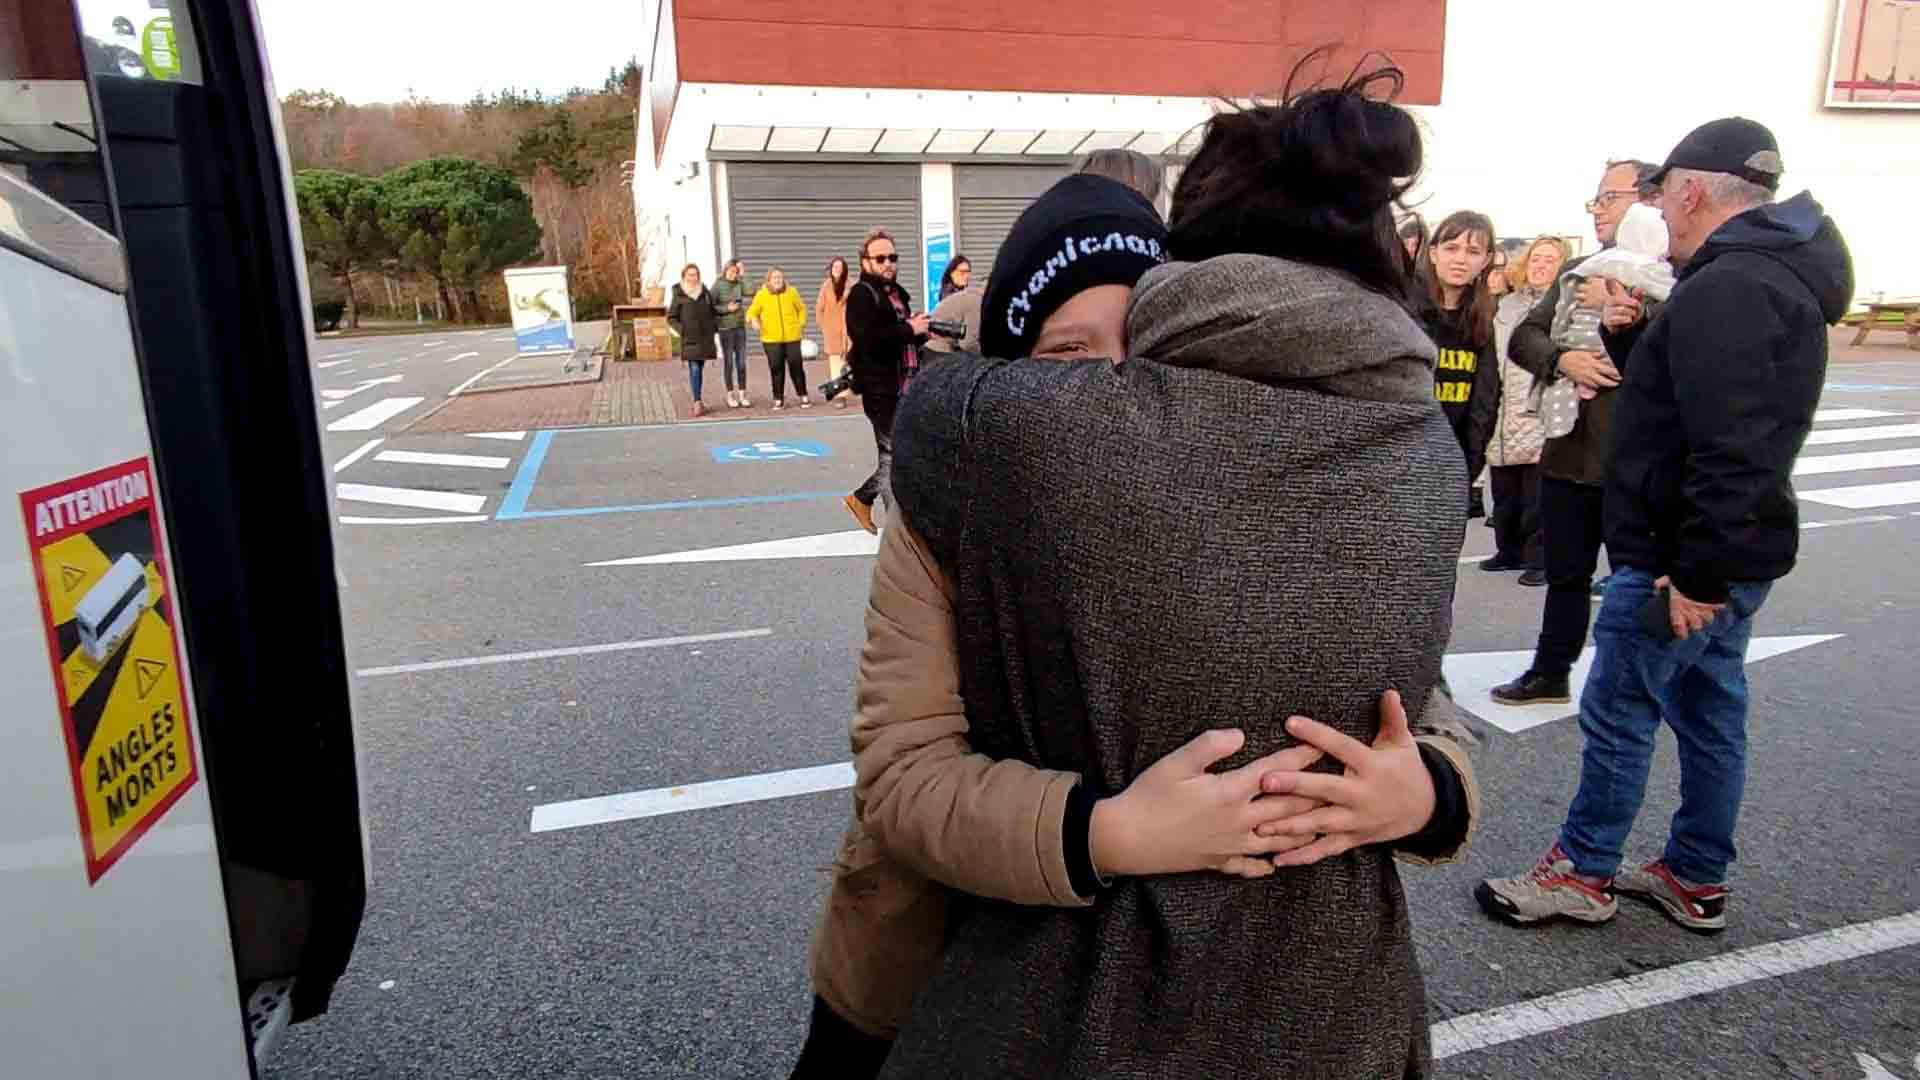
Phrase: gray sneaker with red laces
(1699, 908)
(1551, 890)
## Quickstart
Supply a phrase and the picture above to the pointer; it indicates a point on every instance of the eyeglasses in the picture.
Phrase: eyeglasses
(885, 258)
(1606, 198)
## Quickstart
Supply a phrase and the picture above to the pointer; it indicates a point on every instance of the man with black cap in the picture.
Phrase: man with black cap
(1718, 395)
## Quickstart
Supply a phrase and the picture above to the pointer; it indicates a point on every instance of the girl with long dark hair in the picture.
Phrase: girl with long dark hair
(1460, 321)
(830, 309)
(1089, 532)
(959, 275)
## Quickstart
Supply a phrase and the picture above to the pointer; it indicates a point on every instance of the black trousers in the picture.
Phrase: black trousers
(784, 357)
(1570, 519)
(836, 1050)
(1516, 513)
(879, 412)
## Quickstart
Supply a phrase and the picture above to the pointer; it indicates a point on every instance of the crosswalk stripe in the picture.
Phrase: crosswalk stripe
(365, 448)
(451, 502)
(375, 414)
(1836, 436)
(462, 461)
(503, 436)
(1866, 496)
(1836, 416)
(1870, 459)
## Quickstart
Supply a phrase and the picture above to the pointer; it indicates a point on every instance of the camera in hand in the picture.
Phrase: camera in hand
(952, 330)
(833, 388)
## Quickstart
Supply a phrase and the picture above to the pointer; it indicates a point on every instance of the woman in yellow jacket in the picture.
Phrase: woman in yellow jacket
(780, 316)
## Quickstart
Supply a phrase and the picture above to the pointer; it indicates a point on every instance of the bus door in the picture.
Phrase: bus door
(182, 862)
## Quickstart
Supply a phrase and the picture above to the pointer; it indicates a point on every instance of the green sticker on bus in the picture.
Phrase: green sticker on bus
(159, 50)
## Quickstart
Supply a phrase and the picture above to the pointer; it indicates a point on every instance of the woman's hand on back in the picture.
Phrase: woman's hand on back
(1177, 817)
(1385, 794)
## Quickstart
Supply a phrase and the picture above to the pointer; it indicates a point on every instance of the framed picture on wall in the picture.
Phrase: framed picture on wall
(1876, 55)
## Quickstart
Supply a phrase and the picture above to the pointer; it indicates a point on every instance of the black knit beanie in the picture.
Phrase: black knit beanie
(1083, 232)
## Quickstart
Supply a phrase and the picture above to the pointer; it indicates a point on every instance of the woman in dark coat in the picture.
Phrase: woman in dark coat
(695, 315)
(1254, 520)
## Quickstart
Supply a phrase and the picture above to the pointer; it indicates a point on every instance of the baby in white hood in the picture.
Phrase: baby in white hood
(1637, 260)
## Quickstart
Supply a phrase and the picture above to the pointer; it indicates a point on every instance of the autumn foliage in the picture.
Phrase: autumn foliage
(417, 205)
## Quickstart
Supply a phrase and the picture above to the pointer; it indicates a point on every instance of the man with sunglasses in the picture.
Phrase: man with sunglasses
(1573, 467)
(886, 337)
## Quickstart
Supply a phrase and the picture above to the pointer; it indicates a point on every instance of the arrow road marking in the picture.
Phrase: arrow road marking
(1472, 677)
(822, 546)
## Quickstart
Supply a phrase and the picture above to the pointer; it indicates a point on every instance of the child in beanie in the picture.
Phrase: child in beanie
(881, 934)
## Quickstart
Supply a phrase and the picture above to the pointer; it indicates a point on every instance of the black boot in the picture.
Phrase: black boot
(1501, 561)
(1533, 688)
(1534, 578)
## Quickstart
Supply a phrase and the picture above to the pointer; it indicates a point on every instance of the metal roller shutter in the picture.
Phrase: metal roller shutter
(798, 217)
(991, 198)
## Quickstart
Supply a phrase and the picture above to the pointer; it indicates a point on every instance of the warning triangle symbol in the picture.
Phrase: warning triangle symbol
(147, 672)
(71, 578)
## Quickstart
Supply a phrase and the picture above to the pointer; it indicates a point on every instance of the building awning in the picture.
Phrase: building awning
(746, 142)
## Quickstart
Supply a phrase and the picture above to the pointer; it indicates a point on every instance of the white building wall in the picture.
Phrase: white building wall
(1537, 96)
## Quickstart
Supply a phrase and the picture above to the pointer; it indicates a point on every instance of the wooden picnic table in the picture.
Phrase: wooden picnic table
(1909, 321)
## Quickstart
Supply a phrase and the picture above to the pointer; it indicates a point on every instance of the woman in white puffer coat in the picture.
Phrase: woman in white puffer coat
(1513, 454)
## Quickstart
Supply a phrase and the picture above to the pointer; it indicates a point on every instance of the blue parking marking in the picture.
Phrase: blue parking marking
(515, 504)
(769, 450)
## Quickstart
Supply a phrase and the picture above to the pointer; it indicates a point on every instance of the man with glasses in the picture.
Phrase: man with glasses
(885, 339)
(1573, 466)
(1720, 391)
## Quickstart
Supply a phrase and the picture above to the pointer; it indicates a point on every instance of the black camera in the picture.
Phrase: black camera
(833, 388)
(952, 330)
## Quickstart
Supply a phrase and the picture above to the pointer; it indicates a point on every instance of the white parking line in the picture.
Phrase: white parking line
(1867, 496)
(1835, 416)
(503, 436)
(333, 363)
(375, 414)
(455, 392)
(452, 502)
(357, 454)
(462, 461)
(1871, 519)
(460, 519)
(1836, 436)
(461, 356)
(432, 344)
(1662, 986)
(603, 809)
(575, 650)
(1868, 459)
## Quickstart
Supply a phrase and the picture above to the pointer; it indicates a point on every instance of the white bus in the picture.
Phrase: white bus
(182, 860)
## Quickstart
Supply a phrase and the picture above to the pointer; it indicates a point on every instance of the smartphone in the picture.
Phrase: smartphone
(1656, 616)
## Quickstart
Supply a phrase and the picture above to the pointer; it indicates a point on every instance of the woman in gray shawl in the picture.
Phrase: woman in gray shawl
(1261, 525)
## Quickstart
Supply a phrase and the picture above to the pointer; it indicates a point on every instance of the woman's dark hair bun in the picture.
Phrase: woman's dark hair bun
(1312, 176)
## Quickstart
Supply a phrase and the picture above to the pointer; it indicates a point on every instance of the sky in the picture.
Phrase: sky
(379, 50)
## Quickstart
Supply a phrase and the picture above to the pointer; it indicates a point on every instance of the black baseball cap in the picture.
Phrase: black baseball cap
(1735, 146)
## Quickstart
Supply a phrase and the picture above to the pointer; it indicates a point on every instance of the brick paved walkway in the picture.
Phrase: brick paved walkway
(630, 392)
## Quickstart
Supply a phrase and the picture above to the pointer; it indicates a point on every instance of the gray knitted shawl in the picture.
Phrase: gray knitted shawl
(1265, 522)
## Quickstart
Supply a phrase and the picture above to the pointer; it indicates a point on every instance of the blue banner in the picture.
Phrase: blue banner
(939, 254)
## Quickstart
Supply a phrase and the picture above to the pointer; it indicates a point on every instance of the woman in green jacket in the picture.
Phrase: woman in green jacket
(780, 316)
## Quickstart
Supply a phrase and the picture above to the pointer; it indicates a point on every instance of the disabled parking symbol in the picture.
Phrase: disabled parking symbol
(784, 450)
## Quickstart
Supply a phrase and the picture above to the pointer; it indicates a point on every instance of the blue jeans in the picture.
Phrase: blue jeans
(1699, 687)
(733, 357)
(696, 373)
